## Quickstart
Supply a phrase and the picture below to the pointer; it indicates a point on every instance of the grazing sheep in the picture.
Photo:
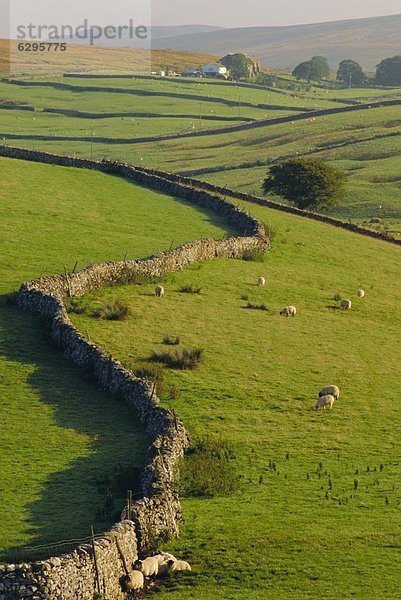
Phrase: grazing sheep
(346, 304)
(261, 281)
(159, 291)
(164, 556)
(133, 581)
(180, 565)
(149, 566)
(325, 401)
(165, 568)
(360, 294)
(289, 310)
(331, 390)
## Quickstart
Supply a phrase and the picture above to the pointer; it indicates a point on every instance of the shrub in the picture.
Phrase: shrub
(190, 289)
(255, 255)
(337, 297)
(114, 311)
(77, 306)
(152, 372)
(207, 469)
(245, 297)
(169, 340)
(254, 306)
(179, 359)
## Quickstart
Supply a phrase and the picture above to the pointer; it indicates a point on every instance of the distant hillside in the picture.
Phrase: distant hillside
(364, 40)
(165, 31)
(98, 59)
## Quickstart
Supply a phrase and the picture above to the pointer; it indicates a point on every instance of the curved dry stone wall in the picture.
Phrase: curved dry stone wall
(158, 513)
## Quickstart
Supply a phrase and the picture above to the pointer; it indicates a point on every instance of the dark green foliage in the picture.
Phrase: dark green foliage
(254, 306)
(245, 297)
(114, 311)
(169, 340)
(315, 69)
(190, 289)
(238, 64)
(255, 255)
(179, 359)
(77, 306)
(207, 469)
(388, 72)
(350, 72)
(152, 372)
(307, 182)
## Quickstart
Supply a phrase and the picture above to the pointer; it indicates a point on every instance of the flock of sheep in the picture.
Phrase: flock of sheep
(329, 394)
(159, 565)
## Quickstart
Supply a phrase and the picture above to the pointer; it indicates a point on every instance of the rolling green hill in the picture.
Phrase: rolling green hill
(316, 507)
(62, 440)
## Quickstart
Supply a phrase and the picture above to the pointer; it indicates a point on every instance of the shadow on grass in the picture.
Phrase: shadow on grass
(73, 454)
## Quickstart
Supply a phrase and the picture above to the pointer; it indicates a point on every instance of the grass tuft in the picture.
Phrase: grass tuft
(179, 359)
(190, 289)
(114, 311)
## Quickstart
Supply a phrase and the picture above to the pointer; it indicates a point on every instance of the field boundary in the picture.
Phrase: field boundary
(158, 513)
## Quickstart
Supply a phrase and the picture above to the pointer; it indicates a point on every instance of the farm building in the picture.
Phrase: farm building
(215, 70)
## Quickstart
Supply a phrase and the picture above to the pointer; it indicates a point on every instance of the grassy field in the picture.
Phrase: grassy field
(318, 500)
(62, 439)
(366, 144)
(316, 513)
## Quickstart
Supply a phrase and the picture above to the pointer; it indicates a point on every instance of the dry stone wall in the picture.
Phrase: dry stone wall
(158, 513)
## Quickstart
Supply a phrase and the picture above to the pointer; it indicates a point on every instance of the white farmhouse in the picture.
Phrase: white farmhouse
(215, 70)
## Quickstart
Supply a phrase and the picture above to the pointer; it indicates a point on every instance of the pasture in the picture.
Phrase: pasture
(110, 117)
(61, 438)
(318, 495)
(317, 503)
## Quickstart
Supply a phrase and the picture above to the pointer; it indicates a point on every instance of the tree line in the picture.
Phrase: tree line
(388, 71)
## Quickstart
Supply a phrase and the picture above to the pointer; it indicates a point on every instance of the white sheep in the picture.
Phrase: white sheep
(332, 390)
(261, 281)
(346, 304)
(159, 291)
(149, 566)
(179, 565)
(289, 310)
(164, 556)
(324, 401)
(133, 581)
(360, 294)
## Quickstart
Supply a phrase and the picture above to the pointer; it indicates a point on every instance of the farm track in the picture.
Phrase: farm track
(209, 132)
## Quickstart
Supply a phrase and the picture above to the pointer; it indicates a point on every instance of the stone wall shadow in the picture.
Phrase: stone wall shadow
(71, 497)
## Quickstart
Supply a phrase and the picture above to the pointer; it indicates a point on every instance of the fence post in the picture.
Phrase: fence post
(95, 560)
(129, 504)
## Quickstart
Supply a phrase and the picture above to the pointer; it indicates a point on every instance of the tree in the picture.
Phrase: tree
(307, 182)
(350, 72)
(315, 69)
(322, 66)
(388, 72)
(238, 65)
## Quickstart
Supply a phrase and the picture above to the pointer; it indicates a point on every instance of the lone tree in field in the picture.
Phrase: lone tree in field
(315, 69)
(307, 182)
(350, 72)
(389, 71)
